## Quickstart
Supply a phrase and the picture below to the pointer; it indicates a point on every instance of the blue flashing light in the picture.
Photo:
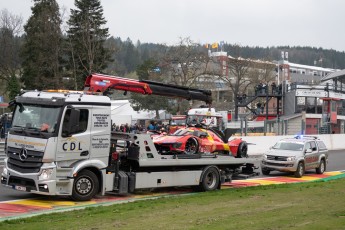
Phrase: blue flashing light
(298, 136)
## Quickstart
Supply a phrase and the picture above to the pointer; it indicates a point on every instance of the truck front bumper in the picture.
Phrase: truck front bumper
(33, 182)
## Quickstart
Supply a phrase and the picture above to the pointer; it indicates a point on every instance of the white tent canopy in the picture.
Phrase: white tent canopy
(122, 113)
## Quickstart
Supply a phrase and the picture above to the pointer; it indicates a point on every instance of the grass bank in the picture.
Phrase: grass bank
(317, 205)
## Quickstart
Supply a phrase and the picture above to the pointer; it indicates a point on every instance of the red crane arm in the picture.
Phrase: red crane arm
(101, 83)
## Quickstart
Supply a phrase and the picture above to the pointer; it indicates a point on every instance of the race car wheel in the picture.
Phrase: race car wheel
(300, 170)
(322, 167)
(209, 179)
(85, 186)
(242, 150)
(192, 146)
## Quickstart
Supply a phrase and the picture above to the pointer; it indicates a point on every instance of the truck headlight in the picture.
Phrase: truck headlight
(291, 159)
(264, 157)
(4, 172)
(46, 173)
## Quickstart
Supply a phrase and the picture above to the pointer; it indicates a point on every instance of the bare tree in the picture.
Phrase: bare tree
(240, 75)
(244, 75)
(263, 72)
(10, 29)
(186, 64)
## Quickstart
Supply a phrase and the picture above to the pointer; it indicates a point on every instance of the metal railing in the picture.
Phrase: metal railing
(328, 87)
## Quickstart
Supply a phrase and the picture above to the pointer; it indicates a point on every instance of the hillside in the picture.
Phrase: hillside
(128, 56)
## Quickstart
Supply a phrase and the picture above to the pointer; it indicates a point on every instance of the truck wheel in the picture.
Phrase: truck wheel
(242, 150)
(265, 171)
(300, 170)
(209, 179)
(85, 186)
(192, 146)
(322, 167)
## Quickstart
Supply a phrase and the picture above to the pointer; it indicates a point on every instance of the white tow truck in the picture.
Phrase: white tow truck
(75, 154)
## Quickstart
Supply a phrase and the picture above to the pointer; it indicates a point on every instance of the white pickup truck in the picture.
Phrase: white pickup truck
(296, 155)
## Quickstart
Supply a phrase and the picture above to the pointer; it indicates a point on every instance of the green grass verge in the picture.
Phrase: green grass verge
(315, 205)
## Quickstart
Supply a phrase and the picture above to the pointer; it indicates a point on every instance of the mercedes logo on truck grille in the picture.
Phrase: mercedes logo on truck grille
(23, 155)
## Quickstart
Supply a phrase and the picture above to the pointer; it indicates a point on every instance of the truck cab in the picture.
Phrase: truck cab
(52, 136)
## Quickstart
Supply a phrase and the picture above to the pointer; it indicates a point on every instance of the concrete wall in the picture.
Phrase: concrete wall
(258, 145)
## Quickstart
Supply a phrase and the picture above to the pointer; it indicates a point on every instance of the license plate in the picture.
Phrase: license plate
(20, 188)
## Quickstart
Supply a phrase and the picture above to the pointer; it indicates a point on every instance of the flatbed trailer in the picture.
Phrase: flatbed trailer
(140, 166)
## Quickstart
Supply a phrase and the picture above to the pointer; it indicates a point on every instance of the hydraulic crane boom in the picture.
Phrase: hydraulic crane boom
(101, 83)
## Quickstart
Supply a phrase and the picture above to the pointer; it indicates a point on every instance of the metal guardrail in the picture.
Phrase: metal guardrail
(2, 153)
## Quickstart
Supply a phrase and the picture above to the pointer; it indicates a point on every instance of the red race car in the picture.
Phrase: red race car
(193, 140)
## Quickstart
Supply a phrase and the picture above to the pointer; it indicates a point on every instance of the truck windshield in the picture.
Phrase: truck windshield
(38, 118)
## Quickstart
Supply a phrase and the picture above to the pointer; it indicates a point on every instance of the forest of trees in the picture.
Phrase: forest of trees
(40, 54)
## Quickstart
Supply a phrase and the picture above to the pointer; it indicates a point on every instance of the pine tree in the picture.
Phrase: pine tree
(86, 38)
(13, 87)
(41, 51)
